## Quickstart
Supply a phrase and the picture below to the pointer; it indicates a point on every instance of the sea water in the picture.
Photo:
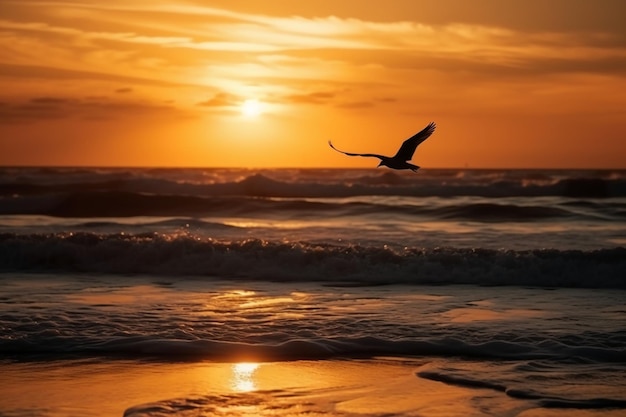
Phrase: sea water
(156, 292)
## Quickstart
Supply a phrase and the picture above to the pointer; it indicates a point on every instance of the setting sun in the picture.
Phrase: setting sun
(251, 108)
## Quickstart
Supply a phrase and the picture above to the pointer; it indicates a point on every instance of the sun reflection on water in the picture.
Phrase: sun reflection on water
(243, 376)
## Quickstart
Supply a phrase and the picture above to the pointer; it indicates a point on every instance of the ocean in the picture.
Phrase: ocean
(153, 292)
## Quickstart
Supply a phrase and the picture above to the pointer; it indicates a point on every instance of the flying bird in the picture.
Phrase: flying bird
(404, 154)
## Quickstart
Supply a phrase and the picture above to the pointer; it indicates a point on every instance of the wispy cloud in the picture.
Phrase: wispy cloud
(221, 100)
(306, 60)
(318, 97)
(86, 108)
(261, 34)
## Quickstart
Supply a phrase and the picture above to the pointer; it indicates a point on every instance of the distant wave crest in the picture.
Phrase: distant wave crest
(443, 183)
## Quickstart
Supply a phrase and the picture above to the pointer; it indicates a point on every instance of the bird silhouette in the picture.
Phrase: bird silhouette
(404, 154)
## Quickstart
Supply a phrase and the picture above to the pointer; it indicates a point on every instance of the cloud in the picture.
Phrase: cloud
(262, 33)
(100, 35)
(49, 101)
(344, 98)
(319, 97)
(42, 72)
(86, 108)
(357, 105)
(221, 99)
(36, 109)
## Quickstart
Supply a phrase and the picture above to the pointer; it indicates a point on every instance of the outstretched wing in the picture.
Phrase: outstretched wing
(356, 154)
(406, 151)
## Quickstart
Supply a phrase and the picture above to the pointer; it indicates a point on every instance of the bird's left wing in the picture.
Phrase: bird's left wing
(406, 151)
(373, 155)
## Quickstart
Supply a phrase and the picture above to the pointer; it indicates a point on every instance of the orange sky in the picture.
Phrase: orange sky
(528, 83)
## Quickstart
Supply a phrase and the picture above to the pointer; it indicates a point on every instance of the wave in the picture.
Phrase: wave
(184, 223)
(544, 399)
(122, 204)
(319, 183)
(127, 204)
(51, 343)
(185, 254)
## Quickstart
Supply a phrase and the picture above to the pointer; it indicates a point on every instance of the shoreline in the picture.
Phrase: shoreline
(374, 387)
(129, 388)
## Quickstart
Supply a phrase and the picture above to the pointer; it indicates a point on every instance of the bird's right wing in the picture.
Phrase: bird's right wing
(373, 155)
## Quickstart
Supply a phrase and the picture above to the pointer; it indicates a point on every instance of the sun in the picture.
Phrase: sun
(251, 108)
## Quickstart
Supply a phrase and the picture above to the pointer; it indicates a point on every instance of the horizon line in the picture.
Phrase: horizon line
(310, 167)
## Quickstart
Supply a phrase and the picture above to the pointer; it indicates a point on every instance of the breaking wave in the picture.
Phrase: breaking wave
(182, 254)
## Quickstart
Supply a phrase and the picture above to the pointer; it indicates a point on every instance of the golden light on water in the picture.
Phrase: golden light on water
(243, 376)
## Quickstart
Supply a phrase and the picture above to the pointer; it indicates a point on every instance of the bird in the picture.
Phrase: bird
(404, 154)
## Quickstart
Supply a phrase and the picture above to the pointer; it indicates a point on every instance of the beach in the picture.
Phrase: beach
(324, 388)
(279, 388)
(154, 348)
(147, 292)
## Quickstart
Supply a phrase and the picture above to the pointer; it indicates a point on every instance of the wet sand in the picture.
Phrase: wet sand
(385, 386)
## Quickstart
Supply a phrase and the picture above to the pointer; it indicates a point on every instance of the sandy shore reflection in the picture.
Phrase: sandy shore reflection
(243, 376)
